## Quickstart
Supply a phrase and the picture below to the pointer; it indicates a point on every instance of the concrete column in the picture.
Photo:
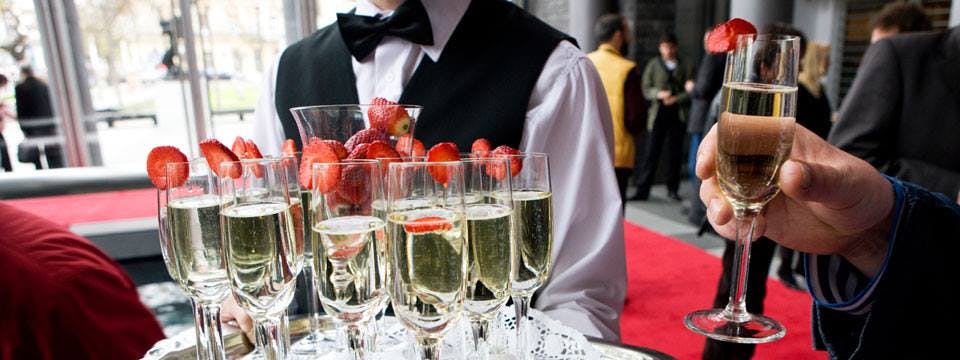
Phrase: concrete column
(955, 13)
(762, 12)
(583, 14)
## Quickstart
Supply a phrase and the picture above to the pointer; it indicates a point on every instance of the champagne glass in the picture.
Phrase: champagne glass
(259, 212)
(491, 251)
(189, 216)
(533, 229)
(347, 235)
(340, 122)
(427, 250)
(754, 137)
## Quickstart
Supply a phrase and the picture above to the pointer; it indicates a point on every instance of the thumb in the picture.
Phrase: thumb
(827, 185)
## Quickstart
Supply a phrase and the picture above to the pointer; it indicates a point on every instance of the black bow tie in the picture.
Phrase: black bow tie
(363, 33)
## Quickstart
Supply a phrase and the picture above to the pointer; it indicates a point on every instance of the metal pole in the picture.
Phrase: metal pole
(198, 104)
(65, 86)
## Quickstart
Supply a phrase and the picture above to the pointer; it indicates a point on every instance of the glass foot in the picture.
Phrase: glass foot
(308, 345)
(719, 324)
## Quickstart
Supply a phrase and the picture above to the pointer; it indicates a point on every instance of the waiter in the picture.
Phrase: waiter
(480, 68)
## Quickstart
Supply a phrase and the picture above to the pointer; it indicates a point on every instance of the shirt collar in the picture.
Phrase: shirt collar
(444, 17)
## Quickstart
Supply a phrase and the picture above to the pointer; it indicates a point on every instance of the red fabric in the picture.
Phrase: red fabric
(85, 208)
(63, 298)
(668, 278)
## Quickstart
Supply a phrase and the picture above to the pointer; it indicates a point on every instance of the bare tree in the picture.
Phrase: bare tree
(101, 17)
(16, 45)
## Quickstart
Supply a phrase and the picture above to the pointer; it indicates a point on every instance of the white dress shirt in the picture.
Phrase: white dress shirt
(567, 118)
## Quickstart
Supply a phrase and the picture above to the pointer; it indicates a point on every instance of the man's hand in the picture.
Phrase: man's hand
(229, 311)
(670, 100)
(830, 202)
(663, 94)
(688, 86)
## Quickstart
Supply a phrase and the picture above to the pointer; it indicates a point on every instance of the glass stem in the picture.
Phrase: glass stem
(269, 338)
(357, 340)
(313, 302)
(480, 329)
(736, 309)
(428, 348)
(209, 332)
(521, 304)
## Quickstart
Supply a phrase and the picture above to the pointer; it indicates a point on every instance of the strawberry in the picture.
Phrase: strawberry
(381, 150)
(723, 37)
(354, 184)
(365, 136)
(239, 147)
(346, 252)
(252, 152)
(497, 170)
(427, 225)
(446, 151)
(289, 148)
(216, 154)
(319, 152)
(337, 147)
(404, 143)
(480, 148)
(387, 115)
(157, 162)
(359, 152)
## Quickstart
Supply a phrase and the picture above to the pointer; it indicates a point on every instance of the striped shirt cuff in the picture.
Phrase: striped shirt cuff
(838, 285)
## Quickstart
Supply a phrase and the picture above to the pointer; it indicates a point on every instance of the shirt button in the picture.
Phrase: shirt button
(390, 77)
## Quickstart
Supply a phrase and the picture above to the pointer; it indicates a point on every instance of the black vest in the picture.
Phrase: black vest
(479, 87)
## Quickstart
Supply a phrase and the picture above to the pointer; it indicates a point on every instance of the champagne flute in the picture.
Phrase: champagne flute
(258, 212)
(491, 252)
(189, 217)
(428, 249)
(347, 235)
(533, 228)
(754, 137)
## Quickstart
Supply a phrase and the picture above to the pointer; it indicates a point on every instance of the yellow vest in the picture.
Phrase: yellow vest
(613, 69)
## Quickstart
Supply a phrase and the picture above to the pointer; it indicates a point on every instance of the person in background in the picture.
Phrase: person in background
(4, 115)
(898, 18)
(63, 298)
(664, 84)
(621, 80)
(902, 114)
(35, 114)
(813, 112)
(507, 77)
(706, 86)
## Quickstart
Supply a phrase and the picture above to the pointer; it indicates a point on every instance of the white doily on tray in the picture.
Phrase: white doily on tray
(547, 339)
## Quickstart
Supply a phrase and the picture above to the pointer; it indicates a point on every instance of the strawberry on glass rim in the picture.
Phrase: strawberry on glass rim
(157, 161)
(445, 151)
(289, 148)
(497, 170)
(216, 153)
(428, 224)
(723, 37)
(388, 115)
(480, 148)
(246, 149)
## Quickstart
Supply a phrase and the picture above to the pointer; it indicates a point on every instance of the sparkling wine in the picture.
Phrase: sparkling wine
(350, 286)
(261, 257)
(427, 288)
(489, 258)
(196, 262)
(754, 139)
(533, 226)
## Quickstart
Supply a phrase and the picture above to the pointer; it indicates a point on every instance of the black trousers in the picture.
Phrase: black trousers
(761, 253)
(5, 155)
(623, 179)
(666, 136)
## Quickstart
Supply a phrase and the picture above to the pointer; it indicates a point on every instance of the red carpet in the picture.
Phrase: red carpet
(669, 278)
(93, 207)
